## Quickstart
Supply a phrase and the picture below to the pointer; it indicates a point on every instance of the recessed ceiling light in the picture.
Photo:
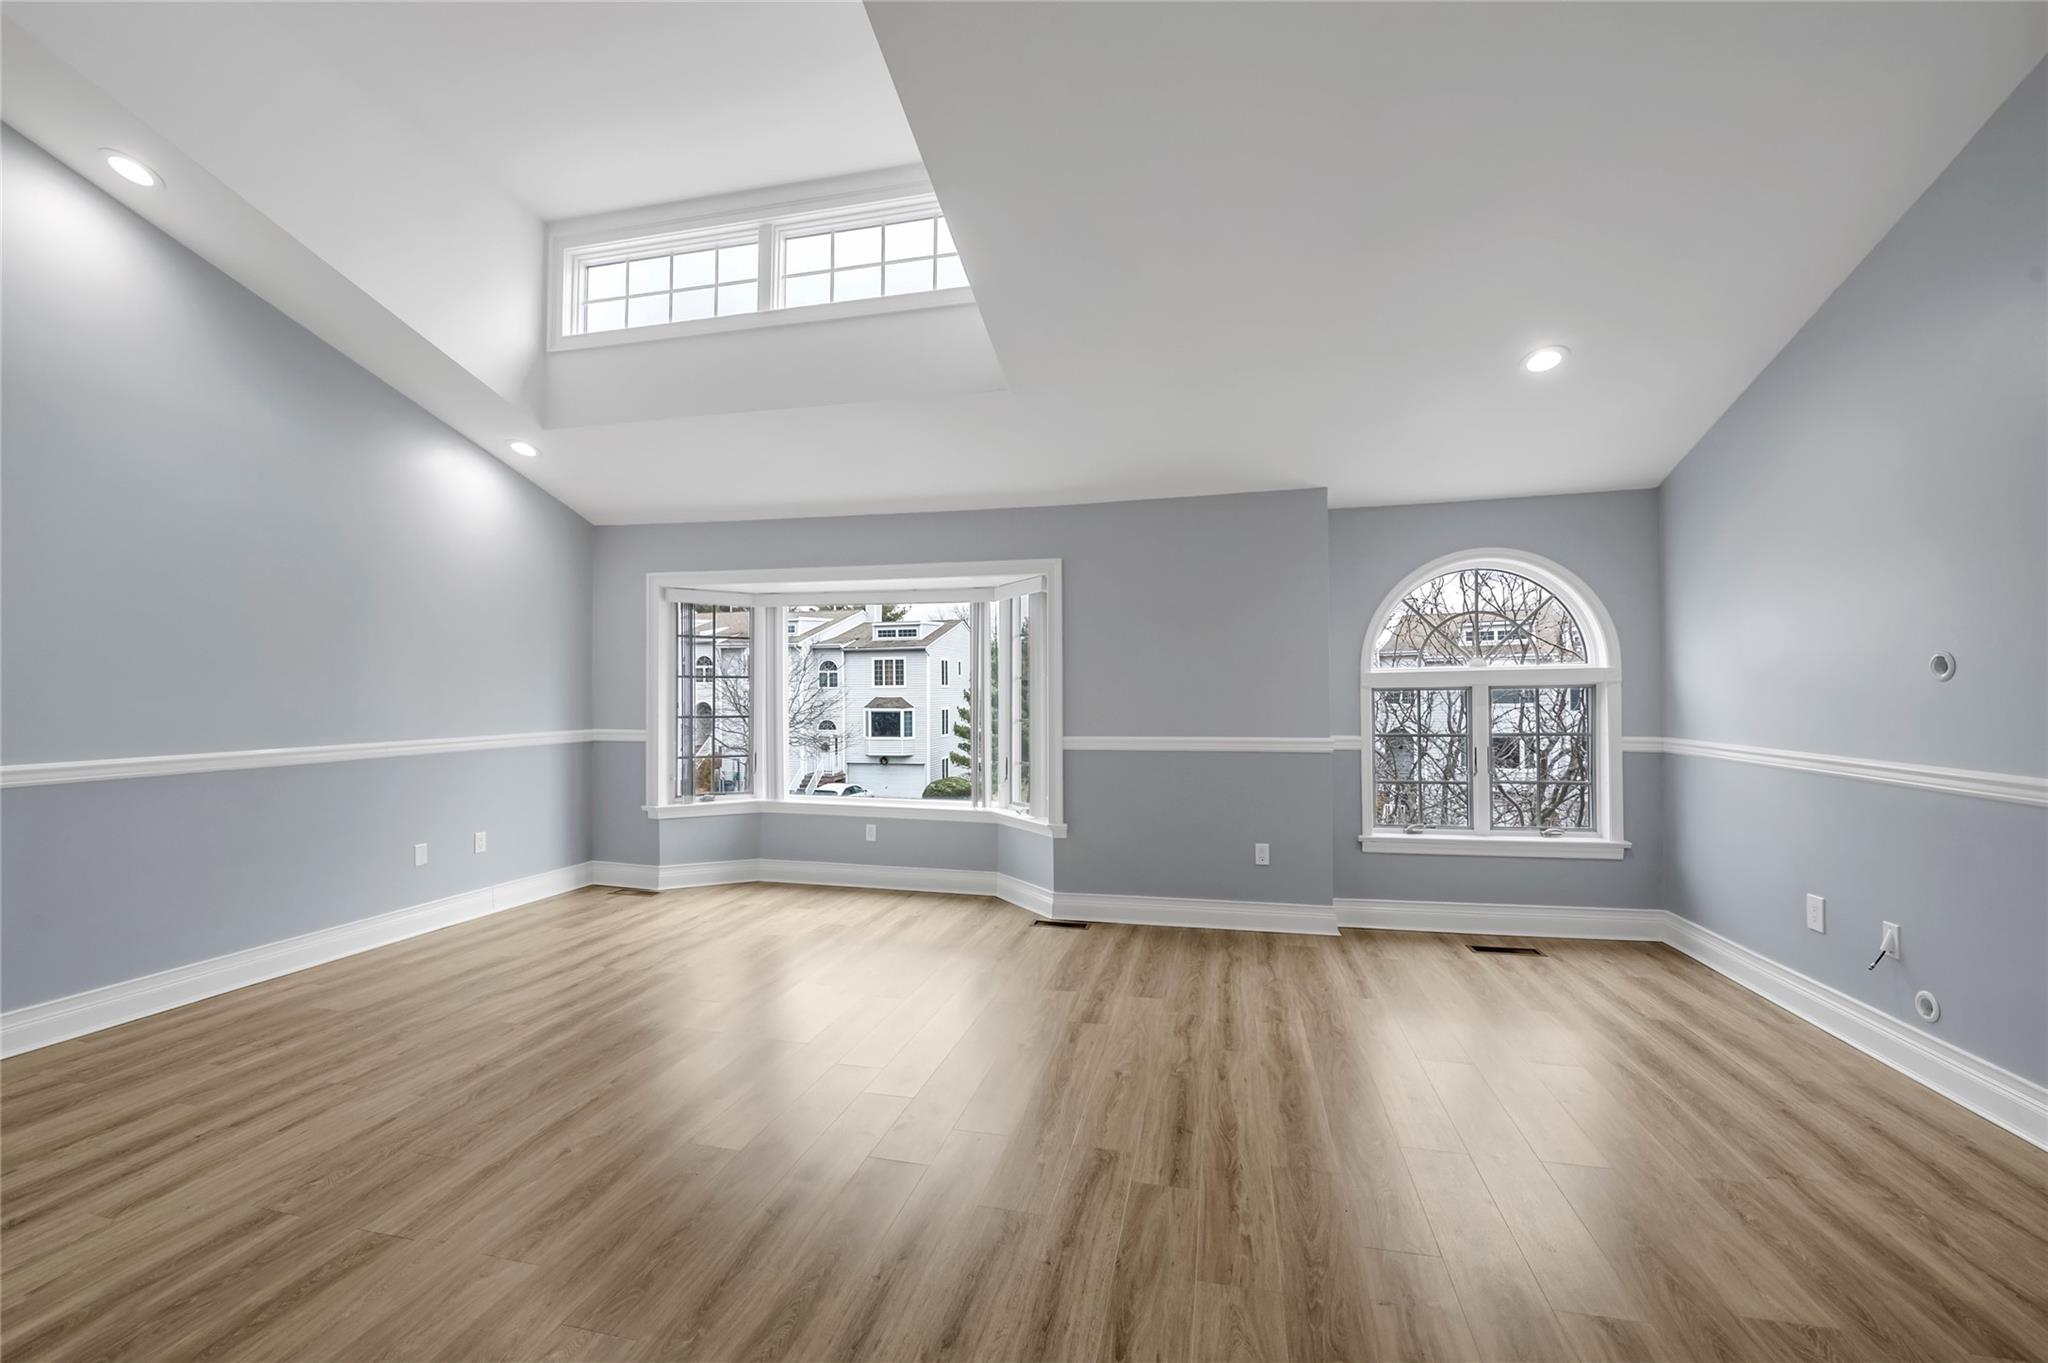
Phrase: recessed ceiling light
(1543, 359)
(130, 169)
(521, 447)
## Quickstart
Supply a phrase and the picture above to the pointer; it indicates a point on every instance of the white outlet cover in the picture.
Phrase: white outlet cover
(1262, 853)
(419, 854)
(483, 841)
(1816, 913)
(871, 832)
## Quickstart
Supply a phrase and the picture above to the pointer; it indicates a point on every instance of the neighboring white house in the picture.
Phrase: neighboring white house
(872, 701)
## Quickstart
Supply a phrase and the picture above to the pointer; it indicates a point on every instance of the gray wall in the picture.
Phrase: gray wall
(1157, 597)
(220, 534)
(1879, 493)
(1610, 541)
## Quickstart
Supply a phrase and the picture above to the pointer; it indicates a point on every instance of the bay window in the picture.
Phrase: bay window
(1491, 708)
(904, 692)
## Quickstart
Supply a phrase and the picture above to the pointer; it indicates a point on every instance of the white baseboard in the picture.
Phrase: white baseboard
(1173, 912)
(1505, 920)
(2012, 1101)
(43, 1024)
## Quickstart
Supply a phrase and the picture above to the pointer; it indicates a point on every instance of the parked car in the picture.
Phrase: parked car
(843, 790)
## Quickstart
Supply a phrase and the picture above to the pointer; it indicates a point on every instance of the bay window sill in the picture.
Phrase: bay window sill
(931, 811)
(1480, 845)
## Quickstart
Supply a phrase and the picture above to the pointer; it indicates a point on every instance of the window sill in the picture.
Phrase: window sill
(777, 317)
(858, 808)
(1470, 845)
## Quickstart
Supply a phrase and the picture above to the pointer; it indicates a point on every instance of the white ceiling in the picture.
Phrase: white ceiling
(581, 108)
(1215, 247)
(1348, 221)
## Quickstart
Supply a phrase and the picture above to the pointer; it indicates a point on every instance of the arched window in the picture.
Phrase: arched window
(703, 667)
(828, 675)
(827, 726)
(1491, 704)
(703, 710)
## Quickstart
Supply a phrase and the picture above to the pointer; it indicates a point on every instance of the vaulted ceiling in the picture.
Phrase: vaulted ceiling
(1214, 247)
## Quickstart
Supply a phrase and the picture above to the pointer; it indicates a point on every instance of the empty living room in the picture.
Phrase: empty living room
(1010, 681)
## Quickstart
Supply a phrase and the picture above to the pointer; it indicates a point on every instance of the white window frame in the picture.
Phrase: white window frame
(988, 585)
(770, 218)
(884, 667)
(1601, 671)
(907, 726)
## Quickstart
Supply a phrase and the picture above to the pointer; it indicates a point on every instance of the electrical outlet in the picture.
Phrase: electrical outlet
(1890, 942)
(871, 832)
(1816, 913)
(483, 841)
(419, 854)
(1262, 853)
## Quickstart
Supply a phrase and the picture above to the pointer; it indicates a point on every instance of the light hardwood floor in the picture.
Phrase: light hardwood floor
(768, 1122)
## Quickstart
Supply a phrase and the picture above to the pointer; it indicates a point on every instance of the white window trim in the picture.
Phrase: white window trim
(1601, 671)
(768, 591)
(881, 669)
(770, 217)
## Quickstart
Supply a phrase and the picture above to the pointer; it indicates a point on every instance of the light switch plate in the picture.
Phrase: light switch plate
(419, 854)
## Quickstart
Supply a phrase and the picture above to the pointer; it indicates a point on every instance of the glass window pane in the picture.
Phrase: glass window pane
(1421, 747)
(944, 245)
(737, 298)
(910, 276)
(865, 283)
(691, 306)
(951, 276)
(1479, 616)
(696, 268)
(738, 262)
(902, 240)
(801, 255)
(646, 312)
(604, 316)
(804, 290)
(648, 276)
(862, 246)
(604, 281)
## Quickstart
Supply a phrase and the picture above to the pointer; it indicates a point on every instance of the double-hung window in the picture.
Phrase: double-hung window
(1491, 699)
(939, 696)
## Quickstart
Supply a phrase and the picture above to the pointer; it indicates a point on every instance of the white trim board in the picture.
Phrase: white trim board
(2012, 1101)
(43, 1024)
(1984, 785)
(1195, 743)
(252, 759)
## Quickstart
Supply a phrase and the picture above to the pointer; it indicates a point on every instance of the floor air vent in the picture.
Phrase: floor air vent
(1502, 951)
(1057, 923)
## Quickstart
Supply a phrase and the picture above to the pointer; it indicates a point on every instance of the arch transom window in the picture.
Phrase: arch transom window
(1491, 703)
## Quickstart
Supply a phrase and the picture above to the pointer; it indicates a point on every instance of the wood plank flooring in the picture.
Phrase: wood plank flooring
(769, 1122)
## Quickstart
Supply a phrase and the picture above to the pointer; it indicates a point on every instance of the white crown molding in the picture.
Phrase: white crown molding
(1107, 743)
(618, 735)
(2007, 787)
(43, 1024)
(253, 759)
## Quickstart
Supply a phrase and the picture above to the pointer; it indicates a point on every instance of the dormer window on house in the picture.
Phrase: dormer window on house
(859, 255)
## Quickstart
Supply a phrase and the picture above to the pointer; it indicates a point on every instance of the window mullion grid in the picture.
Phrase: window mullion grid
(768, 242)
(1013, 720)
(978, 689)
(1479, 728)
